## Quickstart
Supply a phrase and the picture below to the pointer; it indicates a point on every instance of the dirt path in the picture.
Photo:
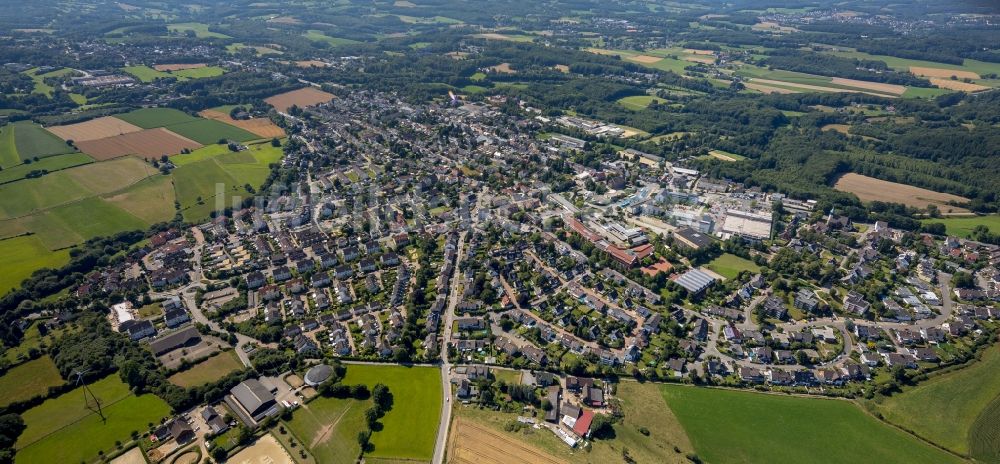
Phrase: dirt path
(324, 433)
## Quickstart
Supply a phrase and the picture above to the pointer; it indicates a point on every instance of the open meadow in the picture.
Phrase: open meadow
(871, 189)
(954, 409)
(50, 164)
(306, 96)
(329, 428)
(730, 266)
(24, 140)
(28, 380)
(729, 426)
(962, 226)
(209, 370)
(410, 428)
(200, 173)
(64, 429)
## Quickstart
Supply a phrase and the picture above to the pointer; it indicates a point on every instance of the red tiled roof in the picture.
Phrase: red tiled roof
(582, 425)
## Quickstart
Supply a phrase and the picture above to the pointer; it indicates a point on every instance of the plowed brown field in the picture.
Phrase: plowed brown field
(150, 143)
(302, 98)
(94, 129)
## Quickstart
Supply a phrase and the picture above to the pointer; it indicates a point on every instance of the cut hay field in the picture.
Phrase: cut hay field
(471, 443)
(149, 143)
(329, 428)
(94, 129)
(410, 428)
(304, 97)
(950, 409)
(149, 118)
(262, 127)
(729, 426)
(209, 370)
(957, 85)
(28, 380)
(871, 189)
(51, 164)
(20, 256)
(962, 226)
(63, 429)
(730, 266)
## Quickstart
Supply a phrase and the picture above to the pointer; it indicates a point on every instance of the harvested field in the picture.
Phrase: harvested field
(699, 59)
(263, 128)
(503, 68)
(957, 85)
(178, 66)
(471, 443)
(768, 89)
(842, 128)
(796, 85)
(94, 129)
(266, 450)
(694, 51)
(943, 73)
(491, 36)
(302, 98)
(872, 189)
(132, 456)
(876, 86)
(310, 64)
(562, 68)
(149, 143)
(645, 59)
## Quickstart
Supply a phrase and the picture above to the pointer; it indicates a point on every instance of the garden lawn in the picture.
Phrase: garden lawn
(944, 409)
(28, 380)
(149, 118)
(21, 256)
(410, 428)
(729, 266)
(962, 226)
(209, 370)
(329, 428)
(728, 426)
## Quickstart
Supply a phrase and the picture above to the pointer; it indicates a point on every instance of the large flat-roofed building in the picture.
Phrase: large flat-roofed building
(252, 401)
(183, 338)
(751, 226)
(691, 238)
(695, 281)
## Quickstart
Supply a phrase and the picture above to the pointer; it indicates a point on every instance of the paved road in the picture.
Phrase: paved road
(454, 295)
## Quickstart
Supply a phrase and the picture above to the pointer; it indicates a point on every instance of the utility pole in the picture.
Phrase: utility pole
(86, 389)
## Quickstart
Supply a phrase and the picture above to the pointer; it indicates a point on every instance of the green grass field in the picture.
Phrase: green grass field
(51, 164)
(8, 149)
(729, 266)
(63, 429)
(962, 226)
(411, 426)
(28, 380)
(944, 409)
(151, 200)
(68, 225)
(200, 30)
(33, 141)
(207, 131)
(978, 67)
(329, 428)
(984, 438)
(639, 102)
(148, 118)
(199, 73)
(39, 80)
(199, 172)
(728, 426)
(319, 36)
(209, 370)
(145, 73)
(21, 256)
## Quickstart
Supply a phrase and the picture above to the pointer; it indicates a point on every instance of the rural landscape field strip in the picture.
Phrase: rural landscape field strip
(729, 426)
(94, 129)
(148, 143)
